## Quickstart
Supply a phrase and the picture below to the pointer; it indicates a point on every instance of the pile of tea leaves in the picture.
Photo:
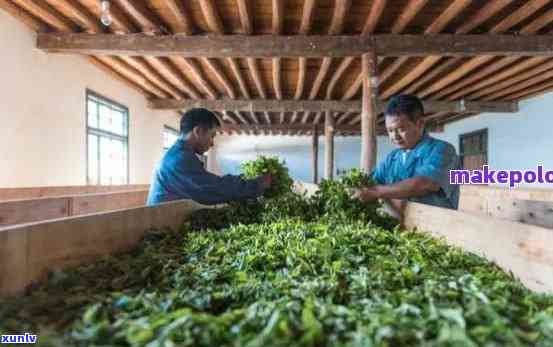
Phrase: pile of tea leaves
(288, 271)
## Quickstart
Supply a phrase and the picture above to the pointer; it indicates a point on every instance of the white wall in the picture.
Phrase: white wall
(519, 140)
(42, 115)
(515, 141)
(295, 150)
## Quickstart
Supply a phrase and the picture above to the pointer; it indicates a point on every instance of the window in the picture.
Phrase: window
(170, 135)
(107, 133)
(473, 148)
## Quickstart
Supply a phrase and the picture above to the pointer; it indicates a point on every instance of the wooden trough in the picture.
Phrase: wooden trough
(29, 251)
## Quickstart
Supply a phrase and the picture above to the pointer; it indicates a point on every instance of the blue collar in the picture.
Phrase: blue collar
(423, 140)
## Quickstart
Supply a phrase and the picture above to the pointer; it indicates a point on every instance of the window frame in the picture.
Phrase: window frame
(478, 132)
(96, 131)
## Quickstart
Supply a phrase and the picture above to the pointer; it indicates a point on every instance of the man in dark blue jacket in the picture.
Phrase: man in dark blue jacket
(181, 175)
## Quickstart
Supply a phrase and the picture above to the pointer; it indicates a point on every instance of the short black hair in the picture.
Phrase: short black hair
(405, 104)
(198, 117)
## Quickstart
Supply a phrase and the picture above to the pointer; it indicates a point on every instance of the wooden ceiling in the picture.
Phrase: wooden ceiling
(486, 78)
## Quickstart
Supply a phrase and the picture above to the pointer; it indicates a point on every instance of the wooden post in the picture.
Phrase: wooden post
(315, 154)
(368, 115)
(329, 145)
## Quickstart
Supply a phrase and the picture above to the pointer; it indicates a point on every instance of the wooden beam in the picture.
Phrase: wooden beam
(245, 17)
(437, 26)
(307, 16)
(211, 15)
(287, 127)
(538, 23)
(466, 85)
(197, 73)
(409, 12)
(412, 8)
(454, 76)
(533, 91)
(525, 11)
(278, 18)
(153, 75)
(120, 77)
(272, 105)
(520, 86)
(315, 155)
(375, 13)
(172, 74)
(305, 26)
(256, 77)
(450, 13)
(531, 28)
(33, 22)
(138, 10)
(307, 46)
(369, 114)
(344, 64)
(159, 71)
(48, 14)
(411, 76)
(491, 8)
(238, 75)
(329, 129)
(183, 23)
(221, 77)
(82, 16)
(445, 65)
(259, 105)
(133, 74)
(511, 76)
(336, 26)
(277, 78)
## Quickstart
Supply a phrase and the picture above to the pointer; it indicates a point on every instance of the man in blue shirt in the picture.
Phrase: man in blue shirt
(418, 170)
(181, 175)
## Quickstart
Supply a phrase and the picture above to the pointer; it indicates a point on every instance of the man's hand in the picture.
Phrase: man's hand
(365, 194)
(266, 181)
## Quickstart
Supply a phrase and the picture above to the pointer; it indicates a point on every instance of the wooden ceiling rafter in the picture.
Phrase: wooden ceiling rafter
(375, 12)
(305, 26)
(341, 9)
(246, 21)
(277, 7)
(168, 75)
(485, 78)
(522, 13)
(436, 76)
(513, 75)
(438, 25)
(537, 76)
(485, 13)
(215, 25)
(408, 13)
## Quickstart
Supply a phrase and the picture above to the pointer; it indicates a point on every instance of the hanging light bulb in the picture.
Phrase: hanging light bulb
(106, 15)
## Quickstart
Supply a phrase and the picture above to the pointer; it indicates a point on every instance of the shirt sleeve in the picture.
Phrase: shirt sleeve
(210, 189)
(436, 166)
